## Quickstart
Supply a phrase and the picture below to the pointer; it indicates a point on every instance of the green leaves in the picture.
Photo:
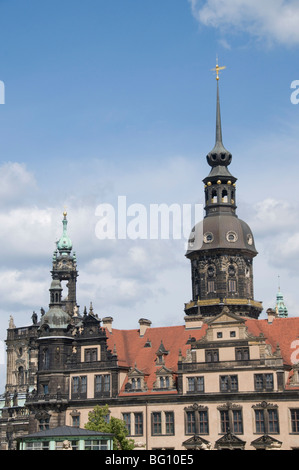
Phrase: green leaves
(99, 420)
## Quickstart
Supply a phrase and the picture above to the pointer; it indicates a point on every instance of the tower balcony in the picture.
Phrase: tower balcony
(209, 307)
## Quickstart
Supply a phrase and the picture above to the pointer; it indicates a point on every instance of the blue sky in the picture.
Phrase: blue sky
(109, 98)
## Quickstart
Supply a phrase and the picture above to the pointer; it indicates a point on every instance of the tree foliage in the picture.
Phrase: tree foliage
(99, 420)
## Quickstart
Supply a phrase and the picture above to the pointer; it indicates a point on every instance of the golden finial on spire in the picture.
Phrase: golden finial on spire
(218, 69)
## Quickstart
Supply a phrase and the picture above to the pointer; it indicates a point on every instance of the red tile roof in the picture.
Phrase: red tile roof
(283, 332)
(132, 351)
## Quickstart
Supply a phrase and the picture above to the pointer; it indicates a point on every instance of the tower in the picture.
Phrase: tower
(280, 308)
(221, 247)
(65, 267)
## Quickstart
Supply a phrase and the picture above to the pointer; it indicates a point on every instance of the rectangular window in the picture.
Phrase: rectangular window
(169, 422)
(266, 421)
(107, 383)
(200, 384)
(127, 420)
(229, 383)
(191, 423)
(44, 424)
(75, 383)
(79, 386)
(103, 444)
(37, 445)
(273, 421)
(196, 384)
(211, 287)
(237, 422)
(91, 355)
(232, 286)
(197, 421)
(224, 421)
(263, 382)
(203, 422)
(83, 388)
(242, 354)
(156, 424)
(212, 355)
(259, 421)
(76, 421)
(224, 383)
(258, 382)
(102, 385)
(269, 382)
(191, 384)
(93, 445)
(138, 424)
(234, 386)
(295, 420)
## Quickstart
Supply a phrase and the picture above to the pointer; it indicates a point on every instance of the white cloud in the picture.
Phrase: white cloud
(16, 183)
(272, 20)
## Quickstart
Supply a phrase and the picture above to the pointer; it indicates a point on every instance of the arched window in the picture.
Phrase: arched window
(21, 376)
(46, 359)
(214, 196)
(224, 196)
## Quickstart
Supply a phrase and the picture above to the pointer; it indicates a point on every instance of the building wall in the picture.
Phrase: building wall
(148, 441)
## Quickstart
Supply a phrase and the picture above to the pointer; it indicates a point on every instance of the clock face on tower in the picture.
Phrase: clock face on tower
(64, 264)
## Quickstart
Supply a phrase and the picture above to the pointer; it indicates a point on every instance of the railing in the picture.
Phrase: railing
(194, 303)
(221, 365)
(46, 397)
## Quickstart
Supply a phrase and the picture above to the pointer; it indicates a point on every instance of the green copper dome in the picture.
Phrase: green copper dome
(64, 245)
(281, 309)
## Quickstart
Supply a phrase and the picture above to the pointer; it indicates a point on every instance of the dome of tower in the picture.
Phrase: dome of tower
(55, 284)
(221, 232)
(56, 318)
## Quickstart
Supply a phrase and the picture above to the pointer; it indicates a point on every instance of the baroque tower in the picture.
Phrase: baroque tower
(221, 247)
(65, 267)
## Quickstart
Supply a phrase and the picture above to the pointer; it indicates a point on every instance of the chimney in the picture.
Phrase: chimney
(193, 322)
(107, 323)
(144, 324)
(271, 315)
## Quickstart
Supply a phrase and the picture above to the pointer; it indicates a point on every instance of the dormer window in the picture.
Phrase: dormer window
(136, 384)
(161, 353)
(136, 381)
(164, 380)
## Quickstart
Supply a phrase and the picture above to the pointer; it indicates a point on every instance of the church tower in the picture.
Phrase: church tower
(65, 267)
(221, 247)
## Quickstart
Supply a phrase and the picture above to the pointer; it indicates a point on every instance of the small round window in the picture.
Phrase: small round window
(249, 239)
(208, 237)
(231, 236)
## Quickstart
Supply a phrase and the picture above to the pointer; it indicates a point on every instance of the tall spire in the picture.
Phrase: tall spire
(64, 245)
(219, 155)
(218, 119)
